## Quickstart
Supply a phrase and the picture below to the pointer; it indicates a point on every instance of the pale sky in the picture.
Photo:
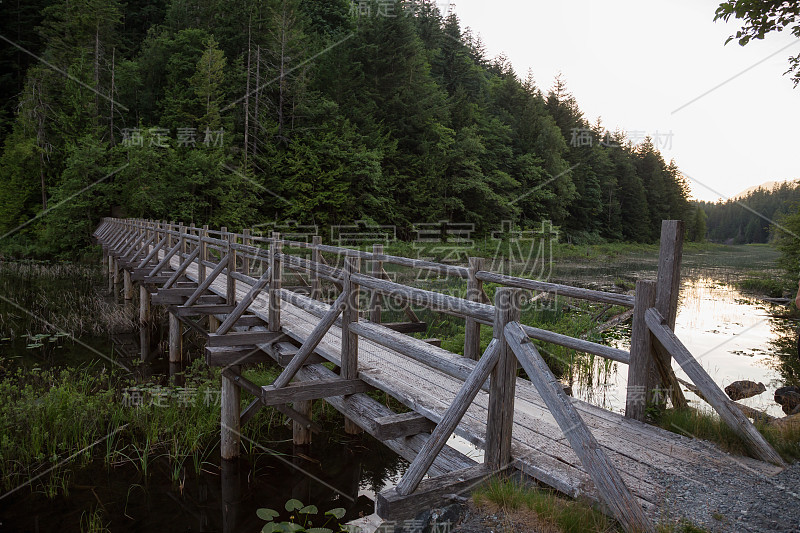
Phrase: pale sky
(634, 63)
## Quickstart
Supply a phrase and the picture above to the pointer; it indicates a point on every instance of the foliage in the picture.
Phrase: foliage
(761, 17)
(314, 114)
(299, 518)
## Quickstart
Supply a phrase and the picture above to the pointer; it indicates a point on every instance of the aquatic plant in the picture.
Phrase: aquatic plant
(300, 519)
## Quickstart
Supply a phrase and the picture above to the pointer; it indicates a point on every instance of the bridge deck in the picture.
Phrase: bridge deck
(657, 465)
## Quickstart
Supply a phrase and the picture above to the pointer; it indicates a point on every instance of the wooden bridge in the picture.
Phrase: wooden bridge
(228, 287)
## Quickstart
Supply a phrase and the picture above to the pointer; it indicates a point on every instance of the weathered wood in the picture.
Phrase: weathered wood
(127, 291)
(250, 411)
(230, 281)
(713, 394)
(419, 467)
(250, 321)
(301, 434)
(246, 302)
(171, 296)
(610, 486)
(230, 418)
(500, 418)
(203, 287)
(201, 269)
(614, 354)
(375, 298)
(203, 309)
(349, 356)
(242, 338)
(165, 260)
(312, 342)
(433, 300)
(276, 269)
(642, 363)
(472, 331)
(407, 327)
(667, 292)
(238, 355)
(182, 268)
(392, 505)
(316, 292)
(175, 339)
(400, 425)
(433, 341)
(153, 253)
(312, 390)
(144, 323)
(555, 288)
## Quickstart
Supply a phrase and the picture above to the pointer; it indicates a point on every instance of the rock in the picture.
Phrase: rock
(744, 389)
(788, 398)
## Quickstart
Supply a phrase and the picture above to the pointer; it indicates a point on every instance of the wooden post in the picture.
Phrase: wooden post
(230, 293)
(301, 435)
(175, 339)
(316, 240)
(116, 275)
(246, 260)
(231, 412)
(213, 324)
(144, 322)
(376, 299)
(500, 418)
(472, 333)
(667, 291)
(274, 311)
(127, 285)
(201, 275)
(349, 361)
(110, 273)
(642, 364)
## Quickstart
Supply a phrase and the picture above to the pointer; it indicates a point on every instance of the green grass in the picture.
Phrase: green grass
(758, 282)
(709, 426)
(47, 416)
(568, 516)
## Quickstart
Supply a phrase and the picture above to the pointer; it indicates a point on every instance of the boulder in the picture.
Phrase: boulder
(788, 398)
(744, 389)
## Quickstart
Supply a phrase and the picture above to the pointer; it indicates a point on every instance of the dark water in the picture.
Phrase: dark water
(336, 470)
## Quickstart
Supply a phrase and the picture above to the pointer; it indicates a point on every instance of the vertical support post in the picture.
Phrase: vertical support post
(127, 290)
(110, 273)
(230, 293)
(376, 299)
(116, 275)
(472, 333)
(349, 362)
(500, 419)
(301, 435)
(246, 260)
(203, 254)
(643, 364)
(175, 339)
(144, 322)
(231, 411)
(274, 311)
(667, 291)
(316, 240)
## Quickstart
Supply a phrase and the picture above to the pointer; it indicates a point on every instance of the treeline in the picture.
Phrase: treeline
(325, 112)
(751, 219)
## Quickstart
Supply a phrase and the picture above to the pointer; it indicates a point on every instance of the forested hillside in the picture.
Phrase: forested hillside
(321, 111)
(751, 219)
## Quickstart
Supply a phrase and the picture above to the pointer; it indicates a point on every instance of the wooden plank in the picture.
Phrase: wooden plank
(312, 390)
(433, 341)
(165, 260)
(242, 338)
(642, 364)
(614, 354)
(182, 268)
(712, 393)
(203, 309)
(610, 486)
(419, 467)
(153, 253)
(401, 425)
(250, 411)
(249, 298)
(311, 343)
(171, 296)
(250, 321)
(244, 355)
(391, 505)
(407, 327)
(500, 418)
(375, 298)
(555, 288)
(203, 287)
